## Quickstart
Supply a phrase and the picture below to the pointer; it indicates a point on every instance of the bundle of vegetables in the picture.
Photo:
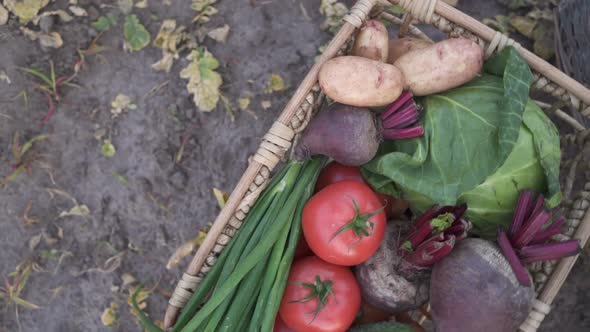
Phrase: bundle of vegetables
(487, 287)
(484, 142)
(243, 290)
(396, 277)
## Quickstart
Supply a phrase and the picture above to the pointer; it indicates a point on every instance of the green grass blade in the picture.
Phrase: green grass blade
(38, 74)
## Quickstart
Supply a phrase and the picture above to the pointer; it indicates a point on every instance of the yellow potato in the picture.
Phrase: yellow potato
(362, 82)
(441, 66)
(372, 41)
(401, 46)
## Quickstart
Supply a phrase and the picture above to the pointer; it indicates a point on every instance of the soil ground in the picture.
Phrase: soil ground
(164, 203)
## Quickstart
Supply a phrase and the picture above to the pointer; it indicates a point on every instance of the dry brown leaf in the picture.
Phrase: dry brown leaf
(52, 39)
(78, 11)
(121, 104)
(243, 103)
(27, 219)
(26, 10)
(109, 316)
(169, 39)
(63, 16)
(266, 104)
(128, 280)
(78, 210)
(203, 81)
(142, 4)
(219, 34)
(185, 249)
(275, 84)
(34, 241)
(221, 197)
(3, 15)
(3, 76)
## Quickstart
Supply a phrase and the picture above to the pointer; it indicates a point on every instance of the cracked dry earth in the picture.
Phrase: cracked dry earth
(164, 203)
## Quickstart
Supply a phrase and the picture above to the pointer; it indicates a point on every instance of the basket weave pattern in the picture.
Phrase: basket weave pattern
(548, 276)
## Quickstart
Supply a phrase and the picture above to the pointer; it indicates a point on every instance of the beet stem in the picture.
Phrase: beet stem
(393, 107)
(405, 133)
(519, 271)
(403, 118)
(553, 229)
(522, 209)
(430, 253)
(552, 251)
(530, 228)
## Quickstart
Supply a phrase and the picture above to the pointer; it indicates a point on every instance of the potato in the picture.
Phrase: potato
(361, 82)
(372, 41)
(401, 46)
(441, 66)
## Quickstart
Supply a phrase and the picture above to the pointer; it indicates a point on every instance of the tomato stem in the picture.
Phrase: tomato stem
(359, 223)
(321, 290)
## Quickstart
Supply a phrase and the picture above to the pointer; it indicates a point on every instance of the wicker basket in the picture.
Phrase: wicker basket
(548, 277)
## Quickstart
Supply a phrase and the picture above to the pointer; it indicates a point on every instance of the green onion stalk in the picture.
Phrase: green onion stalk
(243, 290)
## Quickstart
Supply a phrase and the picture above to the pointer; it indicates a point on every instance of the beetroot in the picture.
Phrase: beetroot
(351, 135)
(483, 287)
(396, 277)
(475, 289)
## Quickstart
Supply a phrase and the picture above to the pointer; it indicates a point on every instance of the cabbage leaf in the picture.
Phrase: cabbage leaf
(479, 147)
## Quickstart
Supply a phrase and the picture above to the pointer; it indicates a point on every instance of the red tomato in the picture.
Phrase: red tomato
(338, 307)
(302, 249)
(339, 233)
(335, 172)
(280, 326)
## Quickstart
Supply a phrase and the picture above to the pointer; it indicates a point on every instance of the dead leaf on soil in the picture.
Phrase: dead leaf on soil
(63, 16)
(50, 239)
(108, 149)
(334, 11)
(3, 15)
(185, 249)
(78, 210)
(523, 25)
(169, 39)
(109, 316)
(219, 34)
(221, 197)
(500, 23)
(275, 84)
(142, 4)
(34, 241)
(128, 280)
(204, 10)
(52, 39)
(4, 77)
(265, 104)
(243, 103)
(78, 11)
(26, 10)
(203, 80)
(27, 219)
(126, 6)
(121, 104)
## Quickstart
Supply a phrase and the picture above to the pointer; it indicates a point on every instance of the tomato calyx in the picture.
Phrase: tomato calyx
(359, 223)
(321, 290)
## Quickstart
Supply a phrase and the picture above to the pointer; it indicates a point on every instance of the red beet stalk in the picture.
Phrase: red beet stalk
(400, 120)
(528, 241)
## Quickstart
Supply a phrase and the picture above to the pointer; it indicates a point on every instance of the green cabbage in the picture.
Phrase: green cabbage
(484, 142)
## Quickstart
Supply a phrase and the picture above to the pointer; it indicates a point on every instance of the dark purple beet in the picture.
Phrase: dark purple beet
(387, 281)
(475, 289)
(351, 135)
(347, 134)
